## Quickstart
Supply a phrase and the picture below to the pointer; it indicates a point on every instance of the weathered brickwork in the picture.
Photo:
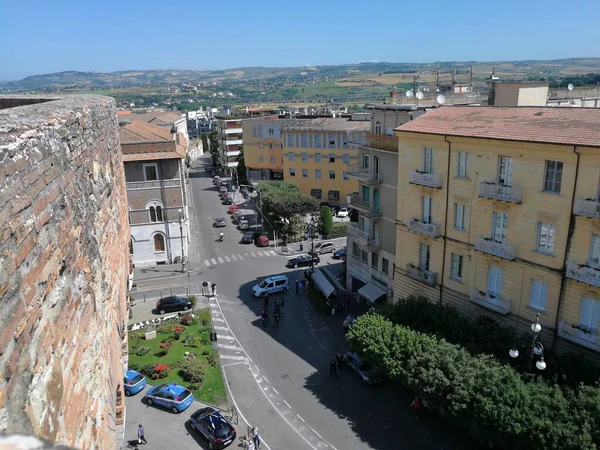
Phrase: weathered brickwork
(64, 262)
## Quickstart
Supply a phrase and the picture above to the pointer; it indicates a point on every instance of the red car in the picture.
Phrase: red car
(262, 241)
(232, 209)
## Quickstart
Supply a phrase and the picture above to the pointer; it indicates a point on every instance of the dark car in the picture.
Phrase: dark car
(173, 303)
(227, 201)
(303, 260)
(365, 371)
(214, 427)
(339, 253)
(247, 238)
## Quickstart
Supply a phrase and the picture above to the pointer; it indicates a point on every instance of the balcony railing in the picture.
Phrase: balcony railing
(495, 191)
(364, 176)
(501, 249)
(373, 245)
(584, 273)
(367, 209)
(424, 276)
(238, 141)
(428, 229)
(495, 303)
(389, 143)
(586, 338)
(356, 232)
(232, 130)
(175, 182)
(587, 208)
(432, 180)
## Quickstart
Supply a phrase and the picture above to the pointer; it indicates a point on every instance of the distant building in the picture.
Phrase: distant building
(456, 88)
(530, 93)
(163, 119)
(198, 124)
(263, 154)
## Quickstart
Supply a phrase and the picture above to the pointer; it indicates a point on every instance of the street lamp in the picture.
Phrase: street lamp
(536, 348)
(180, 211)
(311, 230)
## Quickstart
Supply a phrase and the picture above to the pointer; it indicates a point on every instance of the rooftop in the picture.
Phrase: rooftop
(563, 126)
(145, 142)
(137, 132)
(327, 124)
(400, 107)
(155, 117)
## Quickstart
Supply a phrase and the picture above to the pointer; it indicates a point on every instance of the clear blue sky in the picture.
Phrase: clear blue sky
(44, 36)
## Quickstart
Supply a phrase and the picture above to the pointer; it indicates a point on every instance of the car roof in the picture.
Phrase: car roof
(131, 373)
(355, 356)
(220, 218)
(276, 277)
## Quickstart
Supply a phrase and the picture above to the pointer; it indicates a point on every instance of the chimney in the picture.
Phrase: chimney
(393, 98)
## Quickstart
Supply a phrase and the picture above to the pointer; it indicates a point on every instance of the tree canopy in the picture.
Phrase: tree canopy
(282, 199)
(326, 221)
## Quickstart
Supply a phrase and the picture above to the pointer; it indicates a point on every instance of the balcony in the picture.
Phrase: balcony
(238, 141)
(357, 233)
(231, 163)
(587, 207)
(495, 191)
(232, 130)
(585, 338)
(382, 142)
(366, 209)
(500, 249)
(495, 303)
(583, 273)
(364, 176)
(232, 152)
(428, 229)
(424, 276)
(431, 180)
(158, 184)
(373, 245)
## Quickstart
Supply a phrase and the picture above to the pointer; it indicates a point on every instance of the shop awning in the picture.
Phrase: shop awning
(323, 283)
(371, 292)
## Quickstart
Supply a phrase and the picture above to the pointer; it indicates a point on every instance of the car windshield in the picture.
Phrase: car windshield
(262, 284)
(184, 394)
(223, 431)
(139, 377)
(364, 366)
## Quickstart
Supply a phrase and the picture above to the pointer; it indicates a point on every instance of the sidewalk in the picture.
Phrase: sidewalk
(160, 271)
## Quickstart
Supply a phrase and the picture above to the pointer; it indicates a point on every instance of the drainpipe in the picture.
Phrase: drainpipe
(568, 247)
(445, 218)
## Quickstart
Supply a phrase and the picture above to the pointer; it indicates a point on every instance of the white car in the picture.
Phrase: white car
(343, 212)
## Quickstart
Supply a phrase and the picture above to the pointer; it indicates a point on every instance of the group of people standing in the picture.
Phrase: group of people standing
(277, 313)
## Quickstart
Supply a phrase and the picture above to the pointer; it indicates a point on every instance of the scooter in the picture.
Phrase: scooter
(221, 237)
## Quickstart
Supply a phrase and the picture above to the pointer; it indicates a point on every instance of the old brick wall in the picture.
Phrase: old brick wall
(64, 262)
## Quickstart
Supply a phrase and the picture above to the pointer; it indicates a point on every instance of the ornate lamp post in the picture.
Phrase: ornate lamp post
(181, 219)
(535, 349)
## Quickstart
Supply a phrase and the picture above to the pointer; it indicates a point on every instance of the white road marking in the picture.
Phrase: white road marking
(220, 259)
(240, 256)
(313, 430)
(300, 417)
(288, 405)
(234, 257)
(234, 364)
(228, 347)
(245, 254)
(234, 358)
(216, 319)
(273, 252)
(224, 336)
(206, 262)
(227, 258)
(253, 254)
(214, 261)
(260, 254)
(221, 328)
(274, 390)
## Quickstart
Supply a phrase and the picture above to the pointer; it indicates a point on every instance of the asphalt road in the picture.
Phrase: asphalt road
(279, 377)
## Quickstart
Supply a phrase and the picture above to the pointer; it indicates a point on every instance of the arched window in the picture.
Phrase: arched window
(378, 127)
(131, 246)
(159, 243)
(156, 212)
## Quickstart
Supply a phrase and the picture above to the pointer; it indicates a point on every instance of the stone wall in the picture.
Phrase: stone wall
(64, 264)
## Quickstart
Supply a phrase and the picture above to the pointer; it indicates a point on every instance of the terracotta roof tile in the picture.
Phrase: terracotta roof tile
(153, 156)
(567, 126)
(143, 132)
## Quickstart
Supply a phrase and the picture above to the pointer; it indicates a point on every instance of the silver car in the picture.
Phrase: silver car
(367, 373)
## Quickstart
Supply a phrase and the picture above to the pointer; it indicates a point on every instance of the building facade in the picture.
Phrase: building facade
(497, 212)
(155, 182)
(263, 152)
(372, 241)
(316, 153)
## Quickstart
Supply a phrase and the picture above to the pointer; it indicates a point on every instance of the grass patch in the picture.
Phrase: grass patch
(212, 389)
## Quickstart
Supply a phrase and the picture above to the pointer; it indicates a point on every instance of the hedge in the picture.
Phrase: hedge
(478, 392)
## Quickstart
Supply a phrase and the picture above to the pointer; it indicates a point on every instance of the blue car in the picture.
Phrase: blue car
(170, 396)
(134, 382)
(339, 254)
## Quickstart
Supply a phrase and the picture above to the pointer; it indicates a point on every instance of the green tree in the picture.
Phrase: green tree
(241, 168)
(326, 221)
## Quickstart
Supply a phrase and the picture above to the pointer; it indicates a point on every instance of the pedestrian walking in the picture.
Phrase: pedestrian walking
(282, 303)
(255, 436)
(339, 359)
(141, 435)
(333, 369)
(266, 302)
(265, 317)
(277, 319)
(297, 287)
(416, 406)
(214, 289)
(300, 286)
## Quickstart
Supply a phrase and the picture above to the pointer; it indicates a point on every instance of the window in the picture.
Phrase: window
(355, 249)
(270, 146)
(317, 140)
(456, 269)
(426, 209)
(291, 156)
(151, 172)
(332, 174)
(303, 141)
(290, 143)
(500, 228)
(156, 212)
(346, 158)
(271, 159)
(345, 139)
(462, 165)
(378, 127)
(345, 175)
(260, 145)
(589, 317)
(292, 172)
(427, 160)
(594, 259)
(316, 193)
(460, 216)
(545, 237)
(332, 157)
(374, 260)
(131, 246)
(304, 173)
(271, 131)
(494, 289)
(261, 159)
(159, 243)
(385, 266)
(553, 176)
(304, 156)
(317, 173)
(538, 295)
(505, 171)
(364, 256)
(333, 195)
(331, 141)
(366, 161)
(317, 157)
(424, 256)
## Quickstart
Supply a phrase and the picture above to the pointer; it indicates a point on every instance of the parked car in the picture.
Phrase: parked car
(236, 215)
(244, 225)
(262, 241)
(227, 201)
(173, 303)
(133, 382)
(324, 247)
(220, 222)
(214, 427)
(232, 209)
(170, 396)
(222, 189)
(340, 253)
(247, 238)
(271, 285)
(303, 260)
(343, 212)
(365, 371)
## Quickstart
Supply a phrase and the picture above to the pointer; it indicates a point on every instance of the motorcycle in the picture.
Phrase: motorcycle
(221, 237)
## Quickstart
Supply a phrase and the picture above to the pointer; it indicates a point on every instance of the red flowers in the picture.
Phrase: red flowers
(160, 371)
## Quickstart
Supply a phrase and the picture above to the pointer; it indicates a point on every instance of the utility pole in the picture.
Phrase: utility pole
(437, 76)
(453, 78)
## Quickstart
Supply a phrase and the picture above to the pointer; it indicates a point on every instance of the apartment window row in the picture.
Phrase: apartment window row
(271, 146)
(318, 157)
(358, 253)
(318, 173)
(317, 140)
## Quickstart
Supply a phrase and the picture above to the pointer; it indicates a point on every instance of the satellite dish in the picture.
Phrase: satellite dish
(420, 95)
(570, 87)
(441, 99)
(409, 94)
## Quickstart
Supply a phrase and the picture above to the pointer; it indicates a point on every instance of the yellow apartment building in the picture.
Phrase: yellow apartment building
(316, 153)
(263, 153)
(499, 215)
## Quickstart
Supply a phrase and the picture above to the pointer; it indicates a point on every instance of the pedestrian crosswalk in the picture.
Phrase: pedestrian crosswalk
(239, 257)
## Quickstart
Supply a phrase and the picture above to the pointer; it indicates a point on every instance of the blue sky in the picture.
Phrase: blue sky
(44, 36)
